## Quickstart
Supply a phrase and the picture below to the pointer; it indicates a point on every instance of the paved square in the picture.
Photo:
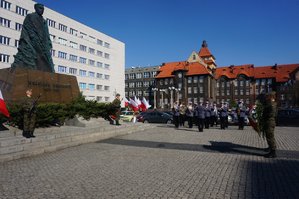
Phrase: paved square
(161, 163)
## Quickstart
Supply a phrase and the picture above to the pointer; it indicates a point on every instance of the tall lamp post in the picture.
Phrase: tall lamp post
(171, 95)
(155, 100)
(162, 99)
(178, 93)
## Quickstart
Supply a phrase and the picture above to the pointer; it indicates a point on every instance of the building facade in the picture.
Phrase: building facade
(139, 81)
(96, 59)
(198, 79)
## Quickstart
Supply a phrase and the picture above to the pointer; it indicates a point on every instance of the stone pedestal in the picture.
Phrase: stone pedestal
(53, 87)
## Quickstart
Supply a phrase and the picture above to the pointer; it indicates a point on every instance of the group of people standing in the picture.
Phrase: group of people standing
(206, 115)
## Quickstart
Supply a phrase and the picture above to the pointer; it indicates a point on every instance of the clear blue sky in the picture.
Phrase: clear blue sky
(259, 32)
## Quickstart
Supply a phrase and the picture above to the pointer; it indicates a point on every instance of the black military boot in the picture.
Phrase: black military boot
(271, 154)
(117, 123)
(26, 134)
(31, 134)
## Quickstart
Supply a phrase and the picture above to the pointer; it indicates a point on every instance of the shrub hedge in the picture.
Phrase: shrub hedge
(49, 114)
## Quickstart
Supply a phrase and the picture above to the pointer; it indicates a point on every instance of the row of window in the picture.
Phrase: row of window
(6, 41)
(19, 10)
(138, 84)
(141, 75)
(93, 87)
(81, 47)
(137, 93)
(196, 79)
(219, 101)
(5, 4)
(51, 23)
(236, 92)
(82, 60)
(6, 23)
(235, 82)
(82, 73)
(195, 90)
(98, 98)
(62, 27)
(4, 58)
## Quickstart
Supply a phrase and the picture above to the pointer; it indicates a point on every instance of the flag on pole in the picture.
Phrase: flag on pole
(138, 102)
(134, 106)
(144, 104)
(126, 102)
(3, 108)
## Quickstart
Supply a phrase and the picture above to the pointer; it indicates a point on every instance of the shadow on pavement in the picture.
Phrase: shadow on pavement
(222, 147)
(228, 147)
(275, 179)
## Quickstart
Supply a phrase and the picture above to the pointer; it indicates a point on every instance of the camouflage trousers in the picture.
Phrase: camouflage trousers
(270, 135)
(29, 122)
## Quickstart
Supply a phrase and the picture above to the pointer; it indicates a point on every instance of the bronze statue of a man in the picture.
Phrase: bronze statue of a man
(34, 51)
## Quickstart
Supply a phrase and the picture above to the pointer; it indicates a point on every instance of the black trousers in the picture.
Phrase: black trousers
(223, 122)
(207, 122)
(190, 121)
(213, 120)
(176, 121)
(241, 122)
(200, 123)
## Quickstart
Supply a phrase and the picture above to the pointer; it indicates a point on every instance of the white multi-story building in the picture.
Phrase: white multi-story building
(96, 59)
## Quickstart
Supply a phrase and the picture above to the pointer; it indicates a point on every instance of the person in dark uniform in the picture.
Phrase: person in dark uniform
(116, 104)
(269, 116)
(207, 115)
(241, 112)
(176, 114)
(29, 118)
(190, 114)
(213, 118)
(182, 114)
(223, 116)
(200, 113)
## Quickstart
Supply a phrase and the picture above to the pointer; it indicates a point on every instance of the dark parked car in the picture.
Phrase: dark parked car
(288, 117)
(155, 117)
(168, 112)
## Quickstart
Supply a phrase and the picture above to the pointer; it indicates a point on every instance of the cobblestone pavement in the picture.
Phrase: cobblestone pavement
(161, 163)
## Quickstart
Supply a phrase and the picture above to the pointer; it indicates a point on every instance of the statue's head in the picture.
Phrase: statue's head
(39, 8)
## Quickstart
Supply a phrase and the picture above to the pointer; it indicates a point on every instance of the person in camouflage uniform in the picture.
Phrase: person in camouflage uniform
(116, 104)
(29, 117)
(269, 117)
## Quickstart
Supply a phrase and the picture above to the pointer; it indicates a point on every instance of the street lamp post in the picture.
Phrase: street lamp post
(178, 94)
(162, 100)
(155, 100)
(171, 95)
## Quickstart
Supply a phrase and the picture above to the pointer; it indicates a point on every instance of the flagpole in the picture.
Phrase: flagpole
(155, 100)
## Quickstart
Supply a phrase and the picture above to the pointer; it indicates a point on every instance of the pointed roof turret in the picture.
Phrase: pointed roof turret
(204, 51)
(206, 55)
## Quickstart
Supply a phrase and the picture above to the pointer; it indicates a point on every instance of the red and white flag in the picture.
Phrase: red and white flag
(144, 104)
(134, 106)
(3, 108)
(138, 102)
(126, 102)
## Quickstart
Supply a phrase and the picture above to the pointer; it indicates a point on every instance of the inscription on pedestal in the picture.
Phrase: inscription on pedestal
(53, 87)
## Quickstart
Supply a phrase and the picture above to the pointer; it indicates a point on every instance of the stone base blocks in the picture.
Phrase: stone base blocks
(14, 146)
